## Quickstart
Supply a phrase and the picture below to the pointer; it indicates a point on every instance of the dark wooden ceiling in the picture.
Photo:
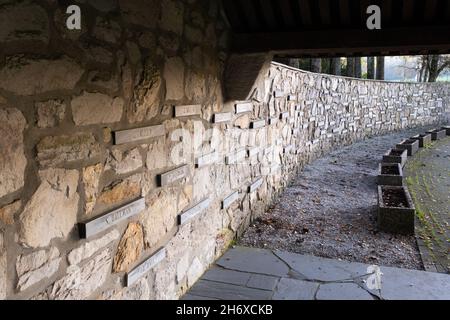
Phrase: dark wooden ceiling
(338, 27)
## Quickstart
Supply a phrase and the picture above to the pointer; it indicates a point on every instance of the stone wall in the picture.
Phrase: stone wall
(190, 177)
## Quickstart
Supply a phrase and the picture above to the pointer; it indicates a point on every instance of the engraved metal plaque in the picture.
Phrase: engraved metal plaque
(243, 107)
(188, 110)
(298, 107)
(273, 120)
(131, 135)
(172, 176)
(291, 97)
(99, 224)
(251, 152)
(222, 117)
(278, 94)
(255, 185)
(144, 267)
(230, 199)
(235, 157)
(192, 212)
(284, 115)
(206, 159)
(287, 149)
(257, 124)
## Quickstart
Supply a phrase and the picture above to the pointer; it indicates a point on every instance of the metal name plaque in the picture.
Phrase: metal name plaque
(251, 152)
(192, 212)
(287, 149)
(273, 121)
(230, 199)
(235, 157)
(188, 110)
(291, 97)
(97, 225)
(131, 135)
(257, 124)
(278, 94)
(222, 117)
(243, 107)
(284, 115)
(255, 185)
(206, 159)
(144, 267)
(172, 176)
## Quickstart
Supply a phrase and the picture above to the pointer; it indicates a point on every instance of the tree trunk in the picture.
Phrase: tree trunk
(350, 70)
(358, 67)
(433, 69)
(380, 68)
(316, 65)
(336, 66)
(370, 68)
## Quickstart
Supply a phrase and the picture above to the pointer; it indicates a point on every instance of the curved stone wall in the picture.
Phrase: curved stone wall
(123, 175)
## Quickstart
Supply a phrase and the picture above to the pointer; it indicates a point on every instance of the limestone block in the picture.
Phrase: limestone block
(37, 266)
(86, 250)
(50, 113)
(56, 216)
(8, 211)
(12, 157)
(91, 178)
(94, 108)
(130, 248)
(125, 162)
(19, 75)
(121, 191)
(174, 76)
(82, 282)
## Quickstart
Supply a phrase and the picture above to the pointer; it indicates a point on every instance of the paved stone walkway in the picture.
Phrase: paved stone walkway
(260, 274)
(428, 180)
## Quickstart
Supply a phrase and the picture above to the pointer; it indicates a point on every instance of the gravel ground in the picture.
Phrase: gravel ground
(329, 210)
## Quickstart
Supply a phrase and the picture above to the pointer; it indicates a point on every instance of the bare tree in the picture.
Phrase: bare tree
(431, 66)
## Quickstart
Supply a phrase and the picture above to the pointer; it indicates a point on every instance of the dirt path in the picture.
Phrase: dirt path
(428, 180)
(330, 210)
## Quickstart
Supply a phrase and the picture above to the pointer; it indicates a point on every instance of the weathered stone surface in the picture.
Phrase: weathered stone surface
(146, 101)
(37, 266)
(121, 191)
(98, 54)
(293, 289)
(12, 157)
(3, 277)
(139, 291)
(23, 21)
(174, 76)
(195, 271)
(134, 53)
(172, 16)
(104, 80)
(50, 113)
(55, 150)
(81, 282)
(195, 86)
(107, 30)
(94, 108)
(342, 291)
(58, 216)
(156, 156)
(8, 211)
(86, 250)
(160, 217)
(130, 248)
(91, 178)
(19, 75)
(125, 162)
(132, 12)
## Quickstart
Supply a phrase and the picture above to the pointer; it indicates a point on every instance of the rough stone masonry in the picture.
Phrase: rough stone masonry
(66, 94)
